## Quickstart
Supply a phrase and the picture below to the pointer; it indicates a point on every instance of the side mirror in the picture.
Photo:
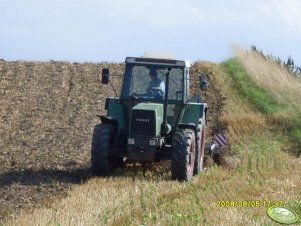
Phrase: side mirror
(105, 74)
(203, 82)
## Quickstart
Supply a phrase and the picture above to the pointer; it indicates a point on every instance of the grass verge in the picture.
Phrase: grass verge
(257, 96)
(277, 111)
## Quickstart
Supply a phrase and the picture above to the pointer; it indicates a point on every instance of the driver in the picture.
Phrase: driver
(156, 84)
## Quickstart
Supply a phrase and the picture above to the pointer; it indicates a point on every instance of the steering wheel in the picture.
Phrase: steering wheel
(156, 92)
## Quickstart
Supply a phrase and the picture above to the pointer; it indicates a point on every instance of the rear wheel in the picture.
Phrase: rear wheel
(183, 155)
(101, 164)
(200, 153)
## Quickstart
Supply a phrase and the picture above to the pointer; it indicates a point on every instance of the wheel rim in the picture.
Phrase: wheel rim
(202, 149)
(190, 162)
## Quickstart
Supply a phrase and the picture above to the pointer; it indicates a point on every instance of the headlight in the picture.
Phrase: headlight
(131, 141)
(152, 142)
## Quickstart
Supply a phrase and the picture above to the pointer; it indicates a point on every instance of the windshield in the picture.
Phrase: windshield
(148, 82)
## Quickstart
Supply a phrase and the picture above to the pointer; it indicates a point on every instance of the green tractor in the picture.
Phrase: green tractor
(155, 118)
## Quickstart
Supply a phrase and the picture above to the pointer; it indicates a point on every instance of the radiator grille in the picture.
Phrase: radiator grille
(143, 123)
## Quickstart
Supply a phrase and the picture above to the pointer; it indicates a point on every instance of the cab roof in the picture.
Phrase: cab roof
(157, 61)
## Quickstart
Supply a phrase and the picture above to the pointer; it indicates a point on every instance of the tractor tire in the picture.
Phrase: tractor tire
(200, 153)
(183, 155)
(101, 164)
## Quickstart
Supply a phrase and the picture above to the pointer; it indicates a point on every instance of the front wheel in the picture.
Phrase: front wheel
(183, 155)
(101, 164)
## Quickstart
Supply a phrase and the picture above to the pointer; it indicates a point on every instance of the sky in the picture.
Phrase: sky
(110, 30)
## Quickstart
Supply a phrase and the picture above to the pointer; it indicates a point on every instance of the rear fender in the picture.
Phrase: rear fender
(187, 126)
(193, 112)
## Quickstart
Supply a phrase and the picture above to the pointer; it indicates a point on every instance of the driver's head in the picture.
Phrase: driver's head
(153, 73)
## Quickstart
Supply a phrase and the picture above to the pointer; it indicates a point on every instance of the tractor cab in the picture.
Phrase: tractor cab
(156, 80)
(146, 79)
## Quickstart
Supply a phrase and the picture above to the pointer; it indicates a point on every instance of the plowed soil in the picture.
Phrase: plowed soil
(47, 115)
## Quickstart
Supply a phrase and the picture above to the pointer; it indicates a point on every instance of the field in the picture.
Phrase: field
(47, 117)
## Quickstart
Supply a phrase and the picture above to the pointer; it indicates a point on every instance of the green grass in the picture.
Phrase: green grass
(295, 133)
(257, 96)
(264, 102)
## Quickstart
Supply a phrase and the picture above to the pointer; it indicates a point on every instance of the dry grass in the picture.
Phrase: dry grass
(272, 77)
(239, 117)
(148, 201)
(283, 89)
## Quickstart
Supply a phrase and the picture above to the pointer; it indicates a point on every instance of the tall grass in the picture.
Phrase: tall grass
(276, 80)
(248, 88)
(289, 64)
(241, 118)
(270, 88)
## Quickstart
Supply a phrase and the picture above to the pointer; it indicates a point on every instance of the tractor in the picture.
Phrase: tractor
(152, 121)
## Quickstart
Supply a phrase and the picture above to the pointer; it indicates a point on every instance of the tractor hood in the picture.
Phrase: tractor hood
(150, 106)
(146, 119)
